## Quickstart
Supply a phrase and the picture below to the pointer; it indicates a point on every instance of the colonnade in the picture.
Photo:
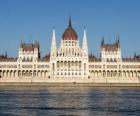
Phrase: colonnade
(112, 73)
(24, 73)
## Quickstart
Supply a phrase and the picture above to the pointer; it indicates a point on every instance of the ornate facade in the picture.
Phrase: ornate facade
(70, 63)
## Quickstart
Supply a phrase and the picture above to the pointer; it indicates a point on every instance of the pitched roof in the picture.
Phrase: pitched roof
(29, 47)
(110, 47)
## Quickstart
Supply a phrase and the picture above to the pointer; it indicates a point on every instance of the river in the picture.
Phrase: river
(69, 100)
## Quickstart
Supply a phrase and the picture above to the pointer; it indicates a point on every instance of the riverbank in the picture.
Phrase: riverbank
(73, 84)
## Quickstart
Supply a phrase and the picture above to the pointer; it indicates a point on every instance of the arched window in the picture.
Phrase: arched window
(53, 67)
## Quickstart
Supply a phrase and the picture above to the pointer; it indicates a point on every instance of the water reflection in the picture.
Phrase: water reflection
(69, 101)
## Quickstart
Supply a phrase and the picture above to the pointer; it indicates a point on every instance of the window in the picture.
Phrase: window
(53, 67)
(84, 66)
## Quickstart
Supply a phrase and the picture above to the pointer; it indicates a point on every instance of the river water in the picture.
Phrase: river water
(69, 100)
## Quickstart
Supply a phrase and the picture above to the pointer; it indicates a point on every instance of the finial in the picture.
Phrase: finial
(84, 30)
(70, 25)
(53, 26)
(91, 52)
(135, 55)
(102, 43)
(6, 54)
(54, 30)
(118, 39)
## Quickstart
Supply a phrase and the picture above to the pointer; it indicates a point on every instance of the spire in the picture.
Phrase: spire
(6, 54)
(84, 46)
(118, 39)
(53, 44)
(70, 24)
(135, 55)
(102, 42)
(53, 36)
(21, 43)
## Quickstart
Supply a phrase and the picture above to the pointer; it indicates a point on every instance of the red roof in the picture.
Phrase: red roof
(28, 47)
(69, 34)
(110, 47)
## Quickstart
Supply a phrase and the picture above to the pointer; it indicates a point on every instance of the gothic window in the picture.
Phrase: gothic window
(79, 64)
(69, 64)
(78, 54)
(107, 60)
(84, 66)
(31, 59)
(53, 66)
(76, 63)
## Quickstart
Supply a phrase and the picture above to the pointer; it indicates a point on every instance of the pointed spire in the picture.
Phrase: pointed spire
(53, 45)
(118, 40)
(90, 52)
(102, 42)
(135, 55)
(70, 24)
(6, 54)
(53, 38)
(53, 35)
(84, 46)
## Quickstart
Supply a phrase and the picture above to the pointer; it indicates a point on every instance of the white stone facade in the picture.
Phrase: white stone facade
(69, 60)
(70, 63)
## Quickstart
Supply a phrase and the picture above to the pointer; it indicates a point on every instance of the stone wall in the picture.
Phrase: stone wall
(70, 80)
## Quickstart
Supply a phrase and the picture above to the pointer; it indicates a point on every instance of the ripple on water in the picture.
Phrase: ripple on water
(69, 101)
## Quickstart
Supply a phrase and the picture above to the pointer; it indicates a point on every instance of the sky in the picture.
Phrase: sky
(31, 20)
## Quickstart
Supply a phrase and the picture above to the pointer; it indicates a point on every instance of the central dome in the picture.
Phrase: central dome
(69, 33)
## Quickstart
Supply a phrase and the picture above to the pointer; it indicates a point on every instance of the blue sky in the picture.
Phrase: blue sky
(30, 20)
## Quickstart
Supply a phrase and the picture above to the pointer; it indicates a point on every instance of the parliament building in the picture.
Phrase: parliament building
(70, 63)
